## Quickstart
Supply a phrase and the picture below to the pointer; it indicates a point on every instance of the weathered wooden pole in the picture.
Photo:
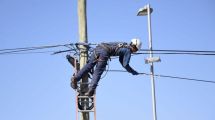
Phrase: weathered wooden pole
(82, 21)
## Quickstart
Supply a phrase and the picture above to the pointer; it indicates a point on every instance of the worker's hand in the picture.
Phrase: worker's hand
(135, 73)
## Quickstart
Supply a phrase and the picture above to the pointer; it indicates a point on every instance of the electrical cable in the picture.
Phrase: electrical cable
(107, 69)
(141, 51)
(63, 51)
(176, 53)
(19, 53)
(181, 52)
(38, 47)
(168, 76)
(24, 50)
(192, 51)
(16, 50)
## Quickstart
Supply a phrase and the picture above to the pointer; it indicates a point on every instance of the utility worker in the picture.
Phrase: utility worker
(100, 56)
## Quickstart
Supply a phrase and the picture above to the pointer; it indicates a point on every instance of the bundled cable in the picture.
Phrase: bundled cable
(24, 49)
(76, 46)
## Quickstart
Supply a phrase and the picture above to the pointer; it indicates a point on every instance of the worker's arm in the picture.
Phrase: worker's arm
(125, 59)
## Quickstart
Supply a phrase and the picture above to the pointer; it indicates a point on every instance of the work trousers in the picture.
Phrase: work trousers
(99, 57)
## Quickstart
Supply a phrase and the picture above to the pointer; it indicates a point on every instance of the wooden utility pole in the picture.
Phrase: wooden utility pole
(82, 20)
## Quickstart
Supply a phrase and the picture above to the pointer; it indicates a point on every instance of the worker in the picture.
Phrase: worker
(100, 56)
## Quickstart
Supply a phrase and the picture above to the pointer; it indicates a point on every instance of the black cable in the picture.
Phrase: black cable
(16, 50)
(63, 51)
(198, 80)
(181, 52)
(193, 51)
(41, 52)
(38, 47)
(88, 44)
(168, 76)
(177, 53)
(145, 51)
(107, 69)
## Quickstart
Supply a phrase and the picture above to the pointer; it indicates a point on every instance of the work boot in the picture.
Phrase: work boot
(90, 92)
(74, 83)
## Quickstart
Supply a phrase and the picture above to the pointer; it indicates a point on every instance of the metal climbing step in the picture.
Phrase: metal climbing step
(85, 96)
(85, 110)
(85, 102)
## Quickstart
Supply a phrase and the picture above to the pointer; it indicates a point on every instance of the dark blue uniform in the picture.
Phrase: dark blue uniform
(100, 57)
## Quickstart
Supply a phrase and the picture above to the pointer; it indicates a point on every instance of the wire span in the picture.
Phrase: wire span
(191, 51)
(76, 46)
(38, 47)
(24, 49)
(177, 53)
(168, 76)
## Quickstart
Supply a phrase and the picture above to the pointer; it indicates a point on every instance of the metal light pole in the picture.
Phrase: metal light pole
(143, 12)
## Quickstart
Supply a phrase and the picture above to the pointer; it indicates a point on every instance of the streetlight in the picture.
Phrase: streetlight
(146, 10)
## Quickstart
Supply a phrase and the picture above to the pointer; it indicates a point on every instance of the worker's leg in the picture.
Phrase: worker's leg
(90, 64)
(100, 67)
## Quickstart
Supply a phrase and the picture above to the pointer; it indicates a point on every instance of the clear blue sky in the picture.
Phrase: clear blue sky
(36, 86)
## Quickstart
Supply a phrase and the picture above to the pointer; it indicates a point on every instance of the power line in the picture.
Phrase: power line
(168, 76)
(38, 52)
(24, 49)
(89, 44)
(37, 47)
(177, 53)
(76, 46)
(192, 51)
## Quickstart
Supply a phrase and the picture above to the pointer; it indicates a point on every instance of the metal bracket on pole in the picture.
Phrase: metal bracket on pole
(152, 59)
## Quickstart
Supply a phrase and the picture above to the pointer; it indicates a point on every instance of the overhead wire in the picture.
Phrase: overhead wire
(168, 76)
(168, 50)
(177, 53)
(32, 52)
(24, 49)
(74, 46)
(29, 50)
(37, 47)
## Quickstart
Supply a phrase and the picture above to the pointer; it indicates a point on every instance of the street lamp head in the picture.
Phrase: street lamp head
(144, 11)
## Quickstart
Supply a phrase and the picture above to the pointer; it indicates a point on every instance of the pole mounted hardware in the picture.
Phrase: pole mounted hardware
(152, 60)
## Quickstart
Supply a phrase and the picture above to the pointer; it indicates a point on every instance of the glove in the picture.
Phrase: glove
(135, 73)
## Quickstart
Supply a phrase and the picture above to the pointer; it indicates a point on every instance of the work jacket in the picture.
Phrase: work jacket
(121, 49)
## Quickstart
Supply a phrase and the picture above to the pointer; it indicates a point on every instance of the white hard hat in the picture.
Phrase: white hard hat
(136, 42)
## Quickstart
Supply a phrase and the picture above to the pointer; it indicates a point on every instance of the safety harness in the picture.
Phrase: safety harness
(112, 48)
